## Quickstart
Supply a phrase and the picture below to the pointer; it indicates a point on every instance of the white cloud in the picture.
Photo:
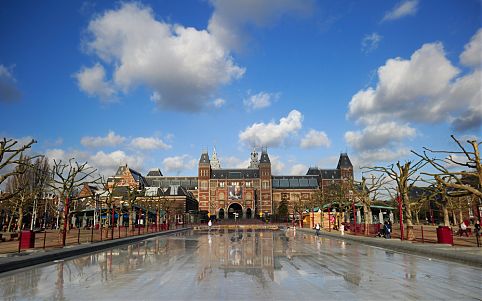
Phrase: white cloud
(260, 100)
(108, 163)
(219, 102)
(233, 162)
(298, 169)
(149, 143)
(93, 82)
(426, 88)
(315, 139)
(372, 157)
(8, 87)
(277, 167)
(181, 65)
(177, 164)
(230, 18)
(105, 163)
(379, 135)
(370, 42)
(272, 134)
(110, 140)
(472, 55)
(405, 8)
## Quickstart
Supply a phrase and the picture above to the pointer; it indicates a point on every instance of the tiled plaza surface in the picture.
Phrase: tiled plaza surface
(244, 265)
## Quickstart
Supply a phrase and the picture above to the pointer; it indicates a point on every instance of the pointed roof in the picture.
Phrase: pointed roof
(204, 158)
(254, 163)
(264, 156)
(215, 164)
(344, 161)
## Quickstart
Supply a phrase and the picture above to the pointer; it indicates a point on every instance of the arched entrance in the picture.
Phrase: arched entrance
(221, 213)
(249, 213)
(235, 208)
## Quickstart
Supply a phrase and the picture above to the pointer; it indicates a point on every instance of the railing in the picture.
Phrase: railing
(48, 239)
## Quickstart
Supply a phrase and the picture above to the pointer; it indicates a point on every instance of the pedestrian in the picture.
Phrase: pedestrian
(463, 229)
(342, 228)
(477, 228)
(317, 227)
(388, 230)
(210, 224)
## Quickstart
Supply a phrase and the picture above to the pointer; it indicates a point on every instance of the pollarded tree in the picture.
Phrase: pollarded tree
(67, 180)
(464, 182)
(11, 163)
(404, 177)
(367, 191)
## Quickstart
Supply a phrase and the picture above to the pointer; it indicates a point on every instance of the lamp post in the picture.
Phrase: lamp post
(354, 215)
(66, 217)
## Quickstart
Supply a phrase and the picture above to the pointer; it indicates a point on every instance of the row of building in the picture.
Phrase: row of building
(228, 192)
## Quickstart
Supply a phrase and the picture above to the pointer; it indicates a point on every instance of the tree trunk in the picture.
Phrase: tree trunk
(20, 219)
(417, 220)
(446, 215)
(366, 216)
(131, 218)
(408, 216)
(461, 217)
(454, 217)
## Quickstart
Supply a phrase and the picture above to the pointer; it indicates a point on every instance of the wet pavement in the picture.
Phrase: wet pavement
(242, 265)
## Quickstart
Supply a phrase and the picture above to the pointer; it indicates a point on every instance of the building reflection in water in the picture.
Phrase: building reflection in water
(255, 253)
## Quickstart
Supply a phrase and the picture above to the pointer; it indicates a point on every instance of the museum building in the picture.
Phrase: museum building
(252, 191)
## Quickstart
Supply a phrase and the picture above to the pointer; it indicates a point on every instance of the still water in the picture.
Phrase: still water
(244, 265)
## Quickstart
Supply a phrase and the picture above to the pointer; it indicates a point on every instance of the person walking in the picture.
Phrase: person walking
(317, 227)
(388, 230)
(477, 228)
(210, 224)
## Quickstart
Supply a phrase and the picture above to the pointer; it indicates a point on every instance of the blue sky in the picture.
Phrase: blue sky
(152, 84)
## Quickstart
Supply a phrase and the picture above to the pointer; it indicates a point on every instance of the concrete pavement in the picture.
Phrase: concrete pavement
(15, 261)
(467, 255)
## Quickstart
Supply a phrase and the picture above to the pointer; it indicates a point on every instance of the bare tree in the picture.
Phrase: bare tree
(367, 191)
(11, 163)
(68, 178)
(463, 182)
(404, 176)
(26, 188)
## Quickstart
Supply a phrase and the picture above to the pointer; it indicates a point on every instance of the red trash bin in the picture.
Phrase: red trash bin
(444, 235)
(27, 240)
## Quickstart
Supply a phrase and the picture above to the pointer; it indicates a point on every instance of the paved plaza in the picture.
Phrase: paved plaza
(242, 265)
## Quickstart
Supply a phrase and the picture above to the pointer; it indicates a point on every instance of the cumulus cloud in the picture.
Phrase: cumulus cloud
(402, 9)
(93, 82)
(298, 169)
(177, 164)
(272, 134)
(181, 65)
(149, 143)
(426, 88)
(260, 100)
(369, 158)
(370, 42)
(105, 163)
(315, 139)
(219, 102)
(378, 135)
(234, 162)
(8, 85)
(230, 18)
(277, 167)
(472, 55)
(112, 139)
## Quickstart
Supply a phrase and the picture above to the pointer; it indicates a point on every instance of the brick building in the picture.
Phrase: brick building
(250, 191)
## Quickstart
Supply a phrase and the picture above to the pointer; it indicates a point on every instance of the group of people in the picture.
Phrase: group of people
(386, 230)
(463, 229)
